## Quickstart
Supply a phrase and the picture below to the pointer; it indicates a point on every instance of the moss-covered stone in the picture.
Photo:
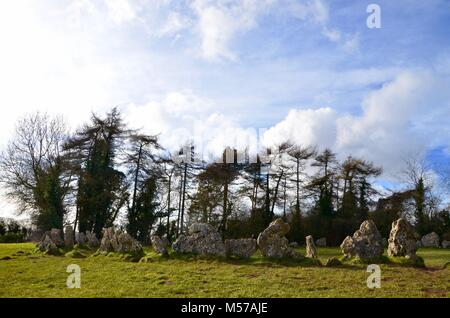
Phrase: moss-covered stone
(404, 261)
(407, 261)
(334, 261)
(75, 253)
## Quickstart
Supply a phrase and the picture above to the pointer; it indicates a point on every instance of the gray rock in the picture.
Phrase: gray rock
(311, 250)
(244, 248)
(419, 243)
(430, 240)
(159, 245)
(322, 242)
(119, 242)
(56, 236)
(445, 244)
(92, 240)
(47, 245)
(81, 238)
(402, 239)
(365, 242)
(165, 241)
(293, 244)
(273, 243)
(68, 237)
(127, 244)
(202, 239)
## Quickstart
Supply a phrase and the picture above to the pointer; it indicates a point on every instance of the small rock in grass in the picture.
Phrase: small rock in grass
(334, 261)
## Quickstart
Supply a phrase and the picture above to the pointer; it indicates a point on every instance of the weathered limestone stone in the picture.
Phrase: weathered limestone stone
(68, 237)
(311, 250)
(92, 240)
(430, 240)
(56, 236)
(81, 239)
(119, 242)
(47, 245)
(159, 245)
(365, 242)
(165, 241)
(244, 248)
(273, 243)
(445, 244)
(127, 244)
(202, 239)
(402, 239)
(293, 244)
(322, 242)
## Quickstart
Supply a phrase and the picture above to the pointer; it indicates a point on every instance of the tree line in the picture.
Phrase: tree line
(108, 173)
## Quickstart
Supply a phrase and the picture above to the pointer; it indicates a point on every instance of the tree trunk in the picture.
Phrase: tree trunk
(168, 206)
(184, 198)
(276, 193)
(136, 177)
(225, 205)
(180, 194)
(298, 187)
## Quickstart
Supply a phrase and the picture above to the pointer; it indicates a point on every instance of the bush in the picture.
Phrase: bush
(12, 238)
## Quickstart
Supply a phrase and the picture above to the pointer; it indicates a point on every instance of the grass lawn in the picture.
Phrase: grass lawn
(26, 274)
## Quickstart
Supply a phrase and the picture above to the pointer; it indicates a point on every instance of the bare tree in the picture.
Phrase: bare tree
(32, 169)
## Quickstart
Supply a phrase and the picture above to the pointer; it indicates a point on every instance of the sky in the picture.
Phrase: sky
(225, 70)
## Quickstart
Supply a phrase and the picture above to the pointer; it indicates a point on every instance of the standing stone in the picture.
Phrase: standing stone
(127, 244)
(159, 245)
(273, 243)
(68, 237)
(202, 239)
(311, 250)
(81, 239)
(365, 242)
(92, 240)
(402, 239)
(322, 242)
(244, 248)
(56, 236)
(47, 245)
(430, 240)
(445, 244)
(119, 242)
(165, 241)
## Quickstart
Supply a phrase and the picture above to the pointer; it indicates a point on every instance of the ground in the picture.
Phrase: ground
(27, 274)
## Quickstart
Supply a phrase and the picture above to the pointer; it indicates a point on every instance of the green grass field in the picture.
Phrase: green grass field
(26, 274)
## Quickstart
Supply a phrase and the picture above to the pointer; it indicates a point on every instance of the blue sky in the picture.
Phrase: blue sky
(308, 70)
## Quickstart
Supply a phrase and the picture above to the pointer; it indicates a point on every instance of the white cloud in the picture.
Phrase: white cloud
(219, 21)
(182, 117)
(316, 11)
(395, 122)
(175, 23)
(121, 11)
(308, 127)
